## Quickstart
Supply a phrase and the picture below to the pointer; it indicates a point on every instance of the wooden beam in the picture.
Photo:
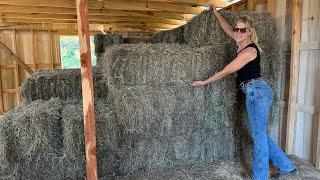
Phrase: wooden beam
(135, 24)
(10, 91)
(42, 21)
(1, 93)
(106, 12)
(50, 49)
(306, 108)
(58, 50)
(216, 3)
(111, 4)
(93, 4)
(103, 18)
(12, 66)
(33, 49)
(294, 70)
(251, 5)
(87, 89)
(234, 8)
(15, 58)
(16, 70)
(317, 151)
(69, 29)
(312, 45)
(271, 6)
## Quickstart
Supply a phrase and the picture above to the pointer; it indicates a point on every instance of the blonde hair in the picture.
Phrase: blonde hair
(249, 22)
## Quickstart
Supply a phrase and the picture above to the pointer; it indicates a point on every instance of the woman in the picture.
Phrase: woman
(258, 95)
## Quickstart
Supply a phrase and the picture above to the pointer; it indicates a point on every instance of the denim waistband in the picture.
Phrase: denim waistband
(254, 83)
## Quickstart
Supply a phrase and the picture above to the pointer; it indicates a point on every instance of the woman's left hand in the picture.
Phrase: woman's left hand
(197, 83)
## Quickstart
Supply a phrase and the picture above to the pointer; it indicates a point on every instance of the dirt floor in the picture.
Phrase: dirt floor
(220, 170)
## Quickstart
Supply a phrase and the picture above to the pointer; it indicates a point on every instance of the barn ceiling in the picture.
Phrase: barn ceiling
(107, 15)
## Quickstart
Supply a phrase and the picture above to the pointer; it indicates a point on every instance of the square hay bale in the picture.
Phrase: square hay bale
(107, 132)
(35, 138)
(169, 36)
(7, 153)
(135, 40)
(104, 41)
(204, 29)
(64, 84)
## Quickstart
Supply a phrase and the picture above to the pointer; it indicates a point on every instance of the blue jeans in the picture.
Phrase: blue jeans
(258, 102)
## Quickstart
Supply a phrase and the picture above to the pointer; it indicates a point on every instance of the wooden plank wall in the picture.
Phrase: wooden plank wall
(306, 137)
(38, 49)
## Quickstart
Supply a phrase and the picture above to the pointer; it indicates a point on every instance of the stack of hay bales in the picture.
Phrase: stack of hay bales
(147, 116)
(165, 121)
(204, 30)
(44, 140)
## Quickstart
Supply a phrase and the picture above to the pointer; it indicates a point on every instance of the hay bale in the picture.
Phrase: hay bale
(107, 139)
(204, 29)
(7, 154)
(65, 84)
(161, 63)
(170, 36)
(135, 40)
(102, 42)
(165, 122)
(35, 138)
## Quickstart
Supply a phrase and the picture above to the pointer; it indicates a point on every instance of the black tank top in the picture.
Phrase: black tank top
(252, 69)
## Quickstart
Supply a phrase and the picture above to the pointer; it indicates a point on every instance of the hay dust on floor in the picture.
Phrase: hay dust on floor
(220, 170)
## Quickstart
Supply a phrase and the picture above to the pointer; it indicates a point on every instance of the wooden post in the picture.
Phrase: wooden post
(251, 5)
(58, 50)
(16, 58)
(1, 95)
(294, 70)
(271, 5)
(87, 89)
(50, 50)
(16, 69)
(317, 155)
(34, 61)
(234, 8)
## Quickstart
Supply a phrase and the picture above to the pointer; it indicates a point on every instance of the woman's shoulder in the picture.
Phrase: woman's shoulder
(253, 45)
(249, 53)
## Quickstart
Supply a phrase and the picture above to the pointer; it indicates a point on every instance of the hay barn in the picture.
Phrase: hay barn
(99, 89)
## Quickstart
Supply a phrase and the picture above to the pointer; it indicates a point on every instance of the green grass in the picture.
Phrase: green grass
(70, 52)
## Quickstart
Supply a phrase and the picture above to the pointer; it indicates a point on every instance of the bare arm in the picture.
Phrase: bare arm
(225, 25)
(241, 60)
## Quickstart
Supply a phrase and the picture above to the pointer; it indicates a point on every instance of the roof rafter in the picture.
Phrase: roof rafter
(106, 18)
(145, 15)
(111, 4)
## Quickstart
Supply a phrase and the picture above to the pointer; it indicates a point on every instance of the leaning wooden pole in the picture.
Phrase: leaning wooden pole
(15, 58)
(87, 89)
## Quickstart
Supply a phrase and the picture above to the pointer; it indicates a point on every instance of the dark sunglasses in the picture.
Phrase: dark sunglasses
(242, 30)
